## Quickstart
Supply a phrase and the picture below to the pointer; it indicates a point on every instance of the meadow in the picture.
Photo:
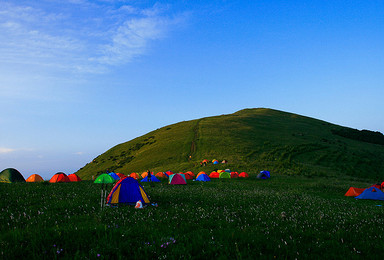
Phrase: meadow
(285, 217)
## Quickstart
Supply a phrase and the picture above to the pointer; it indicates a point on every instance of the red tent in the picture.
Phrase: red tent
(234, 175)
(188, 175)
(214, 175)
(59, 177)
(122, 176)
(243, 175)
(73, 177)
(353, 192)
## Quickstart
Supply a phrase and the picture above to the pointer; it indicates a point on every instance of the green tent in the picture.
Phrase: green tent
(11, 175)
(104, 178)
(225, 175)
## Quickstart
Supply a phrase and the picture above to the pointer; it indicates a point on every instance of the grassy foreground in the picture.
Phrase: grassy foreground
(284, 217)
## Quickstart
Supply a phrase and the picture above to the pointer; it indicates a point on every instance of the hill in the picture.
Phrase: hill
(250, 140)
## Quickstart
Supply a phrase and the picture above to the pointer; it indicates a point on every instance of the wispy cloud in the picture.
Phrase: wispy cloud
(4, 150)
(79, 36)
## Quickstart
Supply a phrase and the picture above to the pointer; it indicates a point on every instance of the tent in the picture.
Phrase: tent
(134, 175)
(188, 176)
(59, 177)
(161, 175)
(104, 178)
(114, 176)
(169, 173)
(190, 173)
(214, 175)
(203, 177)
(177, 179)
(122, 176)
(144, 174)
(225, 175)
(127, 191)
(34, 178)
(199, 174)
(73, 177)
(353, 192)
(243, 175)
(10, 175)
(215, 161)
(371, 193)
(234, 175)
(220, 171)
(264, 175)
(153, 179)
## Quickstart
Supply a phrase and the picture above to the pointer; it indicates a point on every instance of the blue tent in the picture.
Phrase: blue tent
(127, 191)
(264, 175)
(114, 175)
(371, 193)
(203, 177)
(153, 179)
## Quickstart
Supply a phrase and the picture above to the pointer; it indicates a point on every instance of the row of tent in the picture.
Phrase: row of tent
(11, 175)
(372, 193)
(201, 176)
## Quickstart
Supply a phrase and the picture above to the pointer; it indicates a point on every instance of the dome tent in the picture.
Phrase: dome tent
(203, 177)
(59, 177)
(153, 179)
(104, 178)
(114, 176)
(34, 178)
(225, 175)
(127, 191)
(10, 175)
(177, 179)
(243, 175)
(264, 175)
(74, 178)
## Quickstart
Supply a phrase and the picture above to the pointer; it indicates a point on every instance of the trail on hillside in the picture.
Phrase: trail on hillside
(194, 140)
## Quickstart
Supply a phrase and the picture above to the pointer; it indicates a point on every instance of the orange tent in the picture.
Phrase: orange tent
(134, 175)
(34, 178)
(73, 177)
(214, 175)
(59, 177)
(161, 175)
(353, 192)
(144, 174)
(243, 175)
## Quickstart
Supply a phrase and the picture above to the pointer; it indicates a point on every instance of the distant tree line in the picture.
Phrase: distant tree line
(360, 135)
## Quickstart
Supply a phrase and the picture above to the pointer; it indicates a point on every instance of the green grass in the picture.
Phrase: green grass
(252, 140)
(286, 217)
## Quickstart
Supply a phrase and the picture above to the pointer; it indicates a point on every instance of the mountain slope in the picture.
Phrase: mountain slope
(251, 140)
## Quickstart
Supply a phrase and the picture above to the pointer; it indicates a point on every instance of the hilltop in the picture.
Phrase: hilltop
(250, 140)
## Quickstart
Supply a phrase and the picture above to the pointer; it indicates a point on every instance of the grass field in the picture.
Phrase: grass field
(285, 217)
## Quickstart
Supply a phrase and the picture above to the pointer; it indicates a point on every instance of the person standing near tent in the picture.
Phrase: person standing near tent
(149, 176)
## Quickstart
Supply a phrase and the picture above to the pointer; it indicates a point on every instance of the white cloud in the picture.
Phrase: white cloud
(85, 38)
(4, 150)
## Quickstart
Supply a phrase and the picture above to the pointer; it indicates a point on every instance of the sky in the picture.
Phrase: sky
(78, 77)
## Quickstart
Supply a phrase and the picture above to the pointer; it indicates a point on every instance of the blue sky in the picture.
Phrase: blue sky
(78, 77)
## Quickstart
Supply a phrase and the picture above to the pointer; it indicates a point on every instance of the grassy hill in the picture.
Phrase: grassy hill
(250, 140)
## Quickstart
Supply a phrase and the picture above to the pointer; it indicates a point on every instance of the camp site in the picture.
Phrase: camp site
(223, 187)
